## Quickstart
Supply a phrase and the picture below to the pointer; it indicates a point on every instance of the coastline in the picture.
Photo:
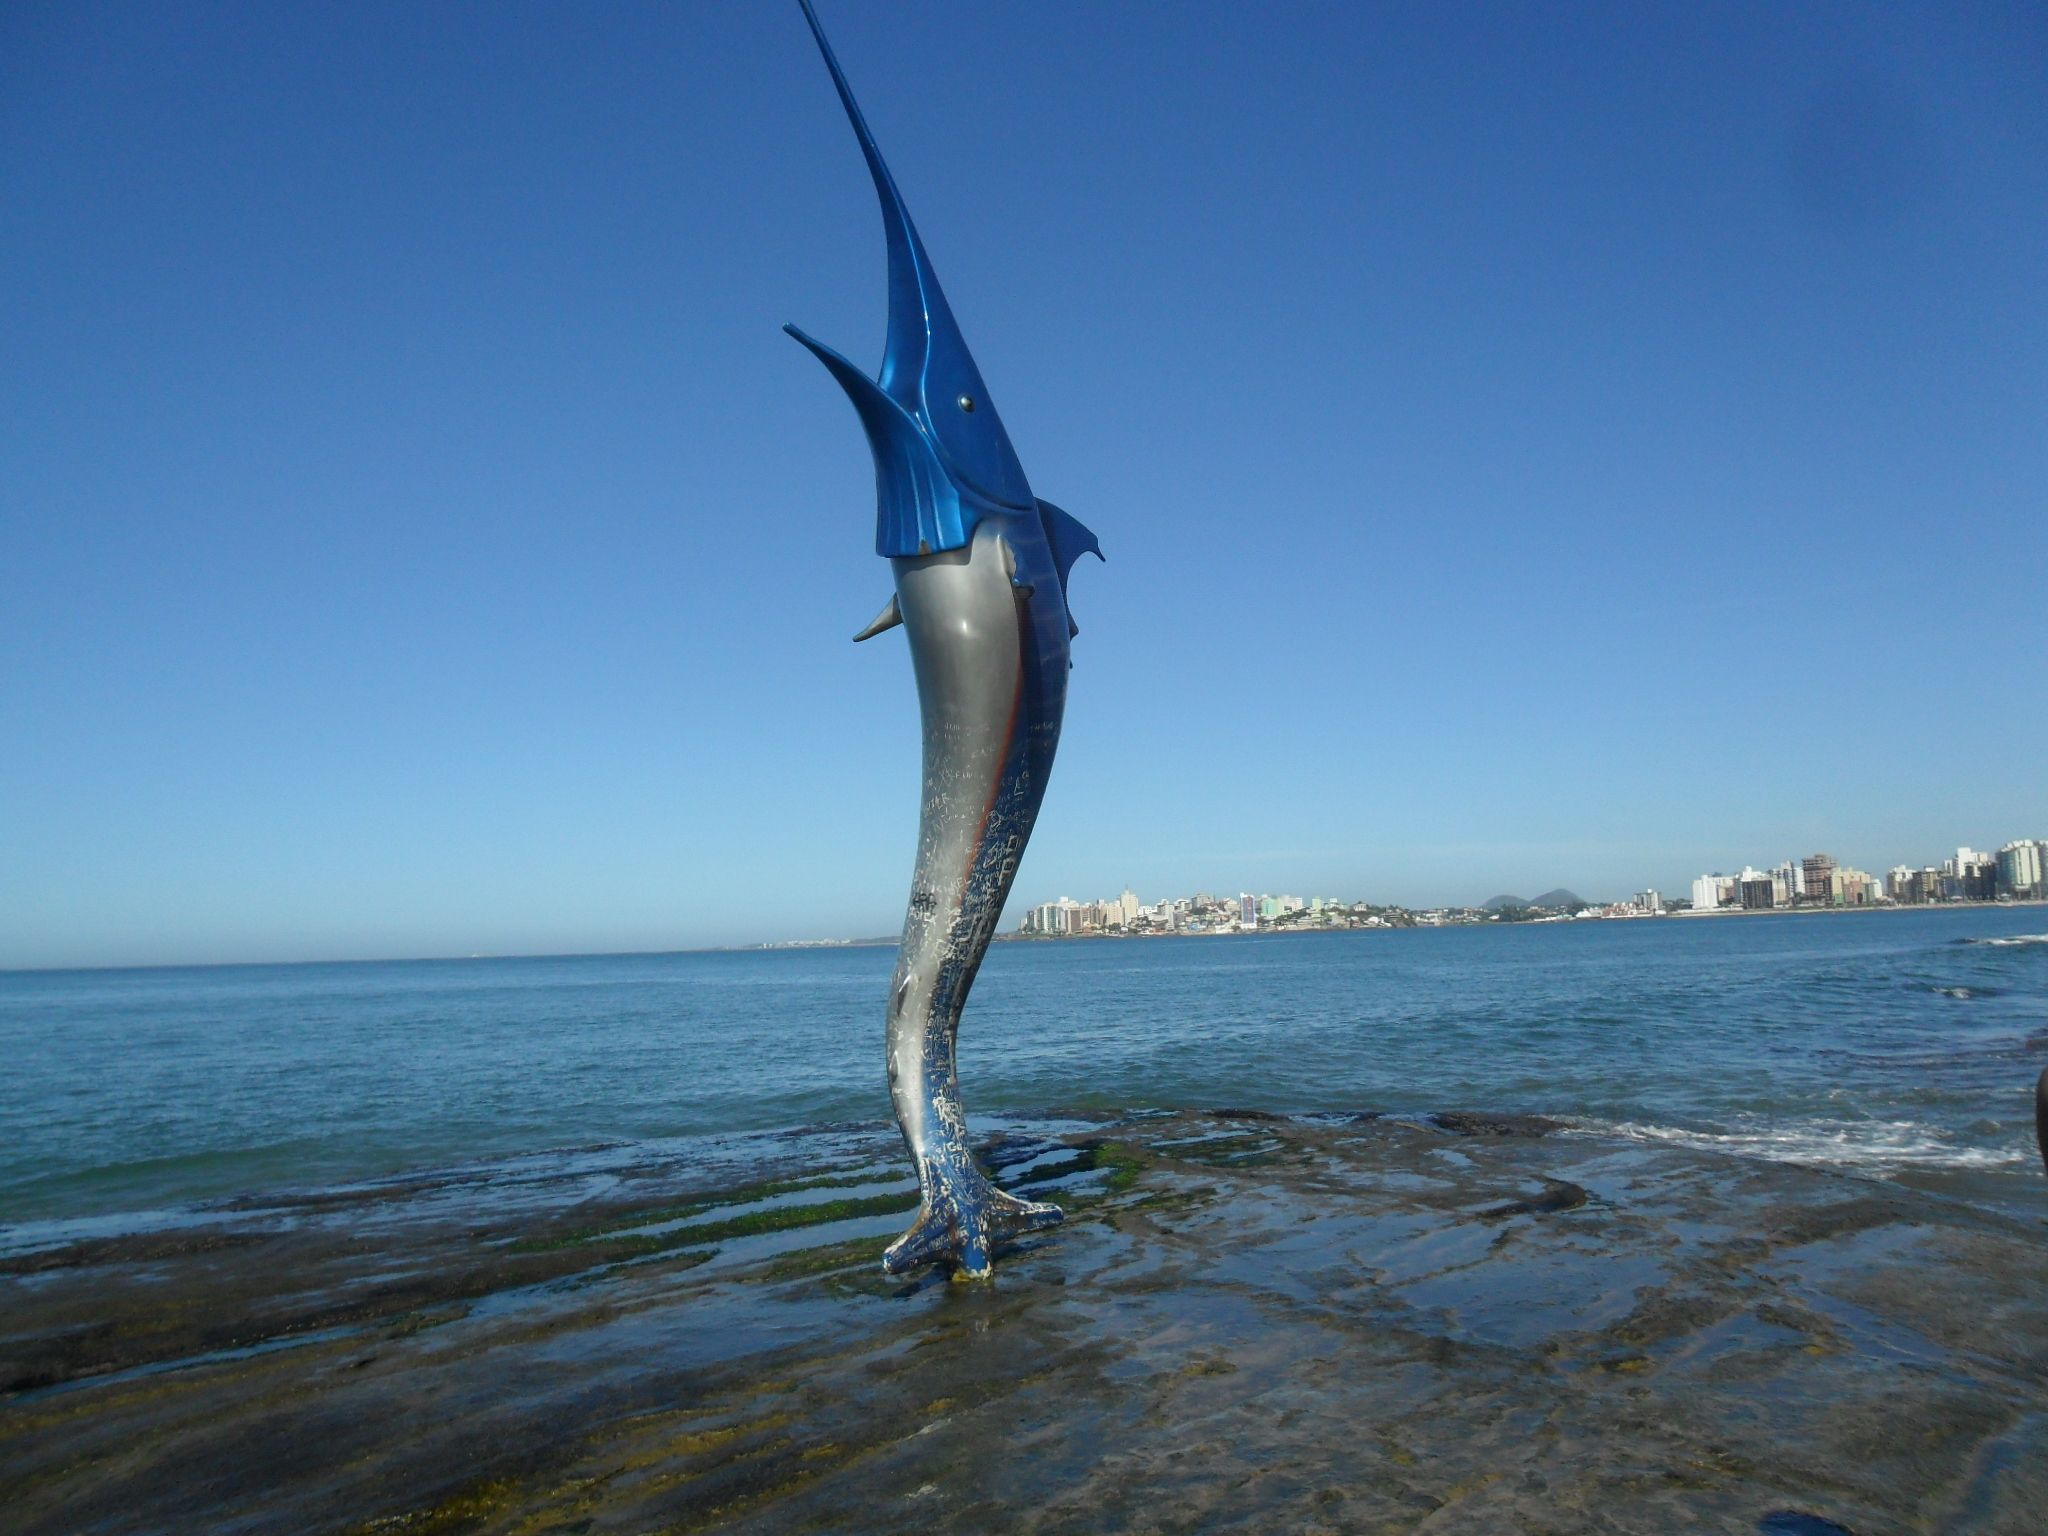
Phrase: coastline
(1002, 936)
(1552, 922)
(1886, 906)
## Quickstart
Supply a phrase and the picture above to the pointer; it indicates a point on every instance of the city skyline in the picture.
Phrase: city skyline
(1529, 445)
(2016, 871)
(1267, 905)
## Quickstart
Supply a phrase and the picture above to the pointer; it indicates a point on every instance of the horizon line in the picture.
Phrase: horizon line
(862, 943)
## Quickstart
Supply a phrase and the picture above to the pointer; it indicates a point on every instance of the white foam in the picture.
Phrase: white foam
(1880, 1146)
(2011, 940)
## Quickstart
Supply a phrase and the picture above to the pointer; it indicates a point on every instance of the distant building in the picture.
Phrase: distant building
(1650, 902)
(2023, 869)
(1755, 891)
(1706, 893)
(1786, 884)
(1817, 878)
(1969, 876)
(1247, 910)
(1927, 884)
(1048, 918)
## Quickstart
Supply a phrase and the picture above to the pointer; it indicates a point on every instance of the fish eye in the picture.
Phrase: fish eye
(966, 403)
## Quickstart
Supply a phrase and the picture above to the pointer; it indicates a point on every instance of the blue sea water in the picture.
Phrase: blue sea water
(1899, 1045)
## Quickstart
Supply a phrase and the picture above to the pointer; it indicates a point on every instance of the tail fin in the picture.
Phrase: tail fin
(965, 1237)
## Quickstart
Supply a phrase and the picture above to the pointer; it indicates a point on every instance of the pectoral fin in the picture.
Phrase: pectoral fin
(888, 618)
(917, 510)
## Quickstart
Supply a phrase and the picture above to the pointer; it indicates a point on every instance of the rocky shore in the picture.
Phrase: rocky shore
(1438, 1324)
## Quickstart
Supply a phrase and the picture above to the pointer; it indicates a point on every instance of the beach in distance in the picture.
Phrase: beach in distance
(1603, 1227)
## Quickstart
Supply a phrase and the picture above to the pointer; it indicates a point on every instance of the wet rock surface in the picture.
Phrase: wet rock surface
(1447, 1324)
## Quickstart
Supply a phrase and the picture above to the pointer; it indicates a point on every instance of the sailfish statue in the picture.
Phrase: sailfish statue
(981, 593)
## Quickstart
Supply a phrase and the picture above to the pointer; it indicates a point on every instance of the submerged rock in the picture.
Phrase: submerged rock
(1463, 1123)
(1794, 1522)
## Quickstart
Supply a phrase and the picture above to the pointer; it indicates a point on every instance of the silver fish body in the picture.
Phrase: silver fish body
(990, 655)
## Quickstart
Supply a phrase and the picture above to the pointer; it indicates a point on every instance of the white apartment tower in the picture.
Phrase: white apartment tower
(2023, 868)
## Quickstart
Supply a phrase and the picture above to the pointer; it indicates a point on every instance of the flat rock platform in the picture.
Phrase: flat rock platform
(1429, 1324)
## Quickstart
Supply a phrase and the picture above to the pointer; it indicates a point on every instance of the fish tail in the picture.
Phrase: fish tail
(963, 1220)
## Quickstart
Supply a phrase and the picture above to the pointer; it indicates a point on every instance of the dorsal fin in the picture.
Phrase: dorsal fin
(926, 367)
(1069, 539)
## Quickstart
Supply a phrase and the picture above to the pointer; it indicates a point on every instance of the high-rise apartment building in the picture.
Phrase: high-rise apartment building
(1785, 884)
(2023, 869)
(1969, 876)
(1051, 917)
(1817, 878)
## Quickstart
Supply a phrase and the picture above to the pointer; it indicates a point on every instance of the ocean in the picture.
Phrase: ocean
(1899, 1045)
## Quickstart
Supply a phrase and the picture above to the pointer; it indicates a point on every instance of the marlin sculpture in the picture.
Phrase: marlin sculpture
(981, 571)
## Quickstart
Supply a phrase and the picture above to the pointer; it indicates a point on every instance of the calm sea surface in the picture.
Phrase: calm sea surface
(1898, 1044)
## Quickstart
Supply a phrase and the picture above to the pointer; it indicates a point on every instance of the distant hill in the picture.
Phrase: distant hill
(1559, 898)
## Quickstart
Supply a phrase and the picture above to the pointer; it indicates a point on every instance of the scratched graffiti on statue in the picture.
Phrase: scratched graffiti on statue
(981, 568)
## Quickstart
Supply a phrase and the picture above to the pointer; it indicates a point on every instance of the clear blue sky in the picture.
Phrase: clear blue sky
(1533, 445)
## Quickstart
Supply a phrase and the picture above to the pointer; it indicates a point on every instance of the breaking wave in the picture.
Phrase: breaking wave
(1874, 1146)
(2009, 941)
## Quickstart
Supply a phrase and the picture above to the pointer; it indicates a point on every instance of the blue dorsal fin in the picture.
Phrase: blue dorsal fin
(909, 329)
(1070, 539)
(926, 367)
